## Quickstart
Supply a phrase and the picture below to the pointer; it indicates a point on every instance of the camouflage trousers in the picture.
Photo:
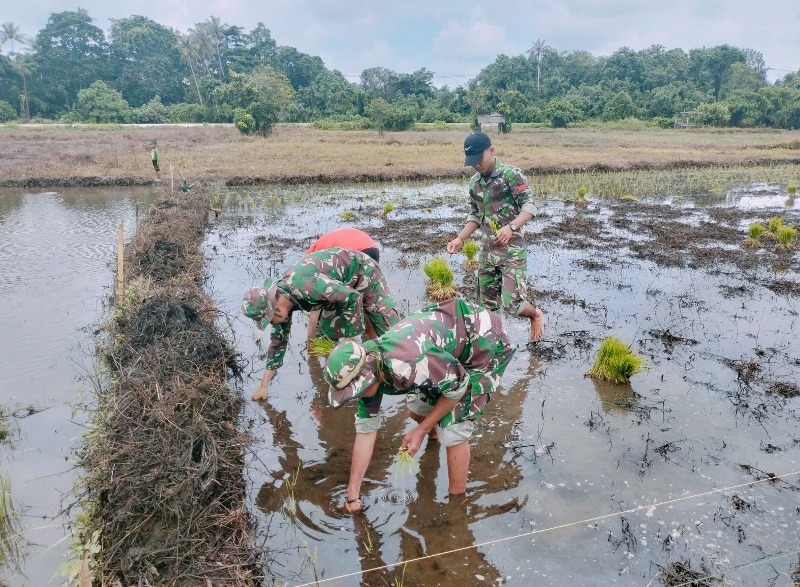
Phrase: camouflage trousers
(501, 280)
(379, 308)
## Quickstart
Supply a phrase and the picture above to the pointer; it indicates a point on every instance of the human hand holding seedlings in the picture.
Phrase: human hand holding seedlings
(263, 387)
(455, 245)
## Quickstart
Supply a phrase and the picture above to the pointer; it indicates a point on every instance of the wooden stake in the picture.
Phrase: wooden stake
(120, 261)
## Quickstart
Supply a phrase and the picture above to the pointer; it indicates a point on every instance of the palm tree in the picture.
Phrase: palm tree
(539, 47)
(186, 46)
(10, 31)
(216, 33)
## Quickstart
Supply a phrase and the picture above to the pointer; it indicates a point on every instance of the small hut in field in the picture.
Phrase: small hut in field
(493, 121)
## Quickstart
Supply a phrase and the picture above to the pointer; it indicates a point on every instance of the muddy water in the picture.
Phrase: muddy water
(55, 278)
(572, 482)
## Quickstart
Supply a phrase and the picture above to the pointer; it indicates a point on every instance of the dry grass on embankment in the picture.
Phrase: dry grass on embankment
(87, 155)
(162, 459)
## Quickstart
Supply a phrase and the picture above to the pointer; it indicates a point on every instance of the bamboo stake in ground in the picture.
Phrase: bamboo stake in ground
(120, 259)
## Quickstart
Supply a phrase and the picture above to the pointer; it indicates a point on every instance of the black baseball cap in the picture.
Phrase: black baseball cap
(474, 146)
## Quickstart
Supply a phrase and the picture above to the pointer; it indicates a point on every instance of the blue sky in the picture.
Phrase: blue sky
(456, 40)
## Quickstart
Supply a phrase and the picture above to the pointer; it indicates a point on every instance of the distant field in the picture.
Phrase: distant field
(86, 155)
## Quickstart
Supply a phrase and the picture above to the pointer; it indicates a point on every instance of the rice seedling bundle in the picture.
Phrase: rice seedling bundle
(493, 224)
(775, 224)
(404, 466)
(440, 280)
(786, 235)
(470, 249)
(321, 346)
(615, 362)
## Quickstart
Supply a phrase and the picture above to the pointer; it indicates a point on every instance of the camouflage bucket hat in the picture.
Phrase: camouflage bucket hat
(259, 303)
(350, 371)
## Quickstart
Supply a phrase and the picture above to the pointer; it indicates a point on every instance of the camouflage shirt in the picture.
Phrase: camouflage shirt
(345, 285)
(453, 349)
(498, 199)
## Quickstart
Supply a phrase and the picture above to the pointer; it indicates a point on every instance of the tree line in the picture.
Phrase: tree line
(144, 72)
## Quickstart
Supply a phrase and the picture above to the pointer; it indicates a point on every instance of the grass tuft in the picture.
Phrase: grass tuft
(787, 235)
(615, 362)
(775, 224)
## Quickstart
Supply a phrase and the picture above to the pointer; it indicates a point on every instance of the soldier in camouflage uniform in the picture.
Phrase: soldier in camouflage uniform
(500, 203)
(448, 358)
(347, 286)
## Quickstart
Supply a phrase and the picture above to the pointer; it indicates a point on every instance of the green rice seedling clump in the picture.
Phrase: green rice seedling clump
(775, 224)
(792, 189)
(755, 230)
(615, 362)
(321, 346)
(387, 207)
(437, 270)
(581, 192)
(470, 249)
(493, 224)
(439, 286)
(787, 235)
(347, 215)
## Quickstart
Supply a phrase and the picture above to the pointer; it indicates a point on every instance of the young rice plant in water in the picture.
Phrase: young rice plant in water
(775, 224)
(786, 235)
(615, 362)
(755, 230)
(404, 466)
(440, 280)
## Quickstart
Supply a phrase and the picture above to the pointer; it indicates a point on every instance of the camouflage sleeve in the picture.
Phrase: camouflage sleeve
(473, 215)
(521, 190)
(278, 341)
(349, 306)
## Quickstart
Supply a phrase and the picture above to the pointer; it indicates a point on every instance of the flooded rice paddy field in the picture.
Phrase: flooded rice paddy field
(691, 471)
(56, 272)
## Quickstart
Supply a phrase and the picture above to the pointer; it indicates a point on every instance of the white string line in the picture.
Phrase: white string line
(543, 530)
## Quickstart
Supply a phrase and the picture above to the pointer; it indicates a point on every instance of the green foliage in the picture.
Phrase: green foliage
(347, 215)
(387, 207)
(7, 112)
(775, 224)
(494, 225)
(264, 95)
(561, 112)
(787, 235)
(714, 114)
(385, 116)
(581, 192)
(470, 249)
(10, 526)
(354, 122)
(244, 121)
(615, 362)
(99, 103)
(183, 113)
(154, 112)
(755, 230)
(438, 271)
(792, 189)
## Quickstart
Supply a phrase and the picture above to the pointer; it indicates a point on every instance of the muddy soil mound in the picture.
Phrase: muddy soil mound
(164, 457)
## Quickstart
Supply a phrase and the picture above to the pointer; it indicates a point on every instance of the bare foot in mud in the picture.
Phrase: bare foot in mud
(537, 325)
(354, 506)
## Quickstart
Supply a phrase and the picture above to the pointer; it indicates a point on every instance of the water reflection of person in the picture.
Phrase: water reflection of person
(435, 526)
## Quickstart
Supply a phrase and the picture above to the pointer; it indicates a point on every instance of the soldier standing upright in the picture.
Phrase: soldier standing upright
(347, 286)
(448, 358)
(500, 203)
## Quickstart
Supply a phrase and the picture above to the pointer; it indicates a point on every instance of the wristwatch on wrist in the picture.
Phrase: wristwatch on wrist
(513, 226)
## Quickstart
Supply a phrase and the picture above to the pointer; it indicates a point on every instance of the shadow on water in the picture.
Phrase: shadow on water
(573, 481)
